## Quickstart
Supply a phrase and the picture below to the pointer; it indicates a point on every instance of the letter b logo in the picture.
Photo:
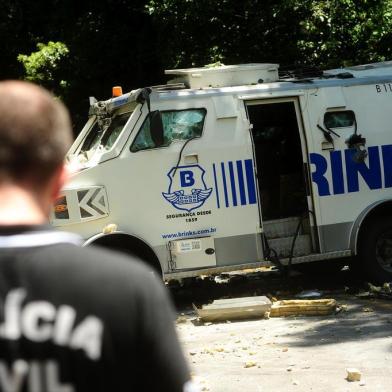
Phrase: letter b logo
(186, 178)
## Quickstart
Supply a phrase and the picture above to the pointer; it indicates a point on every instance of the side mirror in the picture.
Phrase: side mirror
(156, 127)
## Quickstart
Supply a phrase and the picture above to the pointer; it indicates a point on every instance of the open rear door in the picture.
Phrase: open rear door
(281, 164)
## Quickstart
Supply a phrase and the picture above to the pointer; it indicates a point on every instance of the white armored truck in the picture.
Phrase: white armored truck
(235, 167)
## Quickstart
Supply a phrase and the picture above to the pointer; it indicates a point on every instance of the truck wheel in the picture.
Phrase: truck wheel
(375, 250)
(131, 246)
(149, 262)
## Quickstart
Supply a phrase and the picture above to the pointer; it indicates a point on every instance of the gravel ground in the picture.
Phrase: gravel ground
(287, 354)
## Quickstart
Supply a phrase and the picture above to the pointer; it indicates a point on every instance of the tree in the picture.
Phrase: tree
(346, 32)
(110, 42)
(325, 33)
(44, 66)
(129, 43)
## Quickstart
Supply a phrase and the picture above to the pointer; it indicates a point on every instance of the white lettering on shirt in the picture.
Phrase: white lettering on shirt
(87, 336)
(41, 321)
(13, 301)
(37, 376)
(35, 319)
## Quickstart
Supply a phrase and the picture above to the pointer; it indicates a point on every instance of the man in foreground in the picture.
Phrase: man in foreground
(71, 319)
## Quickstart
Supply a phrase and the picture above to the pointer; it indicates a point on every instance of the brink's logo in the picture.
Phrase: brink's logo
(345, 173)
(187, 189)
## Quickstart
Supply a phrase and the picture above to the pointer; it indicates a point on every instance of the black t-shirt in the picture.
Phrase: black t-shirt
(82, 319)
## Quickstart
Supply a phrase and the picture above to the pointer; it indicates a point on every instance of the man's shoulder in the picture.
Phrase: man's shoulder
(98, 255)
(95, 264)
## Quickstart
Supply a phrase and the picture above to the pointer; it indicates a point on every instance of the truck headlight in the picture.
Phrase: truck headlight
(80, 205)
(61, 208)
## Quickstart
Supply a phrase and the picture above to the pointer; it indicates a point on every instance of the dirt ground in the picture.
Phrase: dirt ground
(287, 354)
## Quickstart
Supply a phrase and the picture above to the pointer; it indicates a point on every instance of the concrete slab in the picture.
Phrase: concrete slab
(235, 309)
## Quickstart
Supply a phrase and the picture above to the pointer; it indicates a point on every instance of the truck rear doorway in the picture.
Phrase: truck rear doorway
(280, 172)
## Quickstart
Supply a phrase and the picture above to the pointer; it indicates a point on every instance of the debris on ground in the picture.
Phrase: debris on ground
(250, 364)
(309, 294)
(261, 307)
(341, 308)
(316, 307)
(384, 291)
(181, 319)
(208, 351)
(353, 374)
(222, 279)
(234, 309)
(385, 288)
(200, 382)
(365, 294)
(314, 344)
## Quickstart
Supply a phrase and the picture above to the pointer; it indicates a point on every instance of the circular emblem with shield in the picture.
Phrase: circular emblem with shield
(187, 188)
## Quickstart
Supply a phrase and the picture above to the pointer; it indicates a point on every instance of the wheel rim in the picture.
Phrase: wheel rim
(384, 251)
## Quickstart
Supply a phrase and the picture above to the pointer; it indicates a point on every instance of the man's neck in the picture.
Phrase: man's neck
(19, 207)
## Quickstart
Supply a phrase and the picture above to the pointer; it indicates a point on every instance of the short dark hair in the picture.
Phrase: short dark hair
(35, 132)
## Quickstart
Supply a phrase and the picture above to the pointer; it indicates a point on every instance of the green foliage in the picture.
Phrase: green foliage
(324, 33)
(346, 32)
(94, 45)
(43, 66)
(201, 32)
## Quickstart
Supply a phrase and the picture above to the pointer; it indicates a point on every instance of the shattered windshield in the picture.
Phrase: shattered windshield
(102, 136)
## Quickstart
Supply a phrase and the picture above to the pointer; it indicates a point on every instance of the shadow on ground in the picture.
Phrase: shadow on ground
(364, 319)
(265, 282)
(361, 318)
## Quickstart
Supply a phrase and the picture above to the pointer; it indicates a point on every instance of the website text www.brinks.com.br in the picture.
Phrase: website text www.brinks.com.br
(189, 233)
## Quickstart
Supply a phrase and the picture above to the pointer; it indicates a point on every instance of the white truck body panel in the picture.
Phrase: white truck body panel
(220, 197)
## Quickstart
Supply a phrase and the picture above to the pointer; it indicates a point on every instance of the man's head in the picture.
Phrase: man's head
(35, 134)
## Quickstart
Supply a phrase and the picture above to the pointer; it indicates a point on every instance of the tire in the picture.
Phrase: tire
(375, 250)
(145, 255)
(152, 265)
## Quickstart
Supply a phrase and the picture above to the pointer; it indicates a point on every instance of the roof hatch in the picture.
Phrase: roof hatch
(225, 75)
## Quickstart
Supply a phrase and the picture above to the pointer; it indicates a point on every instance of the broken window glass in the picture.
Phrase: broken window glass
(177, 125)
(340, 119)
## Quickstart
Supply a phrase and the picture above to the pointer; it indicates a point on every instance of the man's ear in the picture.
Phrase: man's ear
(59, 179)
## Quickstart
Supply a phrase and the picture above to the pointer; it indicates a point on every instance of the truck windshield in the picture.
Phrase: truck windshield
(101, 137)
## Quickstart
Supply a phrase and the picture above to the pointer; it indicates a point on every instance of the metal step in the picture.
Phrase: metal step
(285, 227)
(282, 246)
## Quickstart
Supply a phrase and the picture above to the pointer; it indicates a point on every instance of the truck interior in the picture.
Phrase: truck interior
(279, 164)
